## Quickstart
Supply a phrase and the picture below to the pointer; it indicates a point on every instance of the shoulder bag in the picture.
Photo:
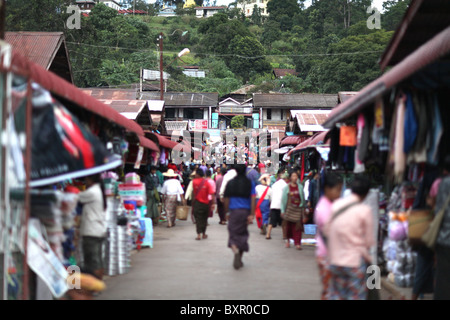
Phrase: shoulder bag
(258, 214)
(429, 237)
(338, 213)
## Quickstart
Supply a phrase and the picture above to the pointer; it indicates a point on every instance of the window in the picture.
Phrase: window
(194, 113)
(269, 114)
(170, 113)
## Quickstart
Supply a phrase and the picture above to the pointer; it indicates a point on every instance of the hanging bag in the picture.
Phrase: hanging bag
(258, 214)
(430, 236)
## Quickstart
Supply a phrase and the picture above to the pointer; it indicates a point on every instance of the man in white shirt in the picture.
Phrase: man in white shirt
(275, 205)
(227, 177)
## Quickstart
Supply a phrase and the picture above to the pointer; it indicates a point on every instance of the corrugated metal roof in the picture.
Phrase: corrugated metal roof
(128, 108)
(182, 99)
(39, 47)
(421, 22)
(62, 88)
(295, 100)
(311, 120)
(111, 94)
(282, 72)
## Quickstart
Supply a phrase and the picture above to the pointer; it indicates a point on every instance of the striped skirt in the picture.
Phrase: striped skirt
(348, 283)
(238, 229)
(170, 206)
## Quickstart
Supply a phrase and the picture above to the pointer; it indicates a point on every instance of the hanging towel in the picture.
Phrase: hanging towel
(410, 125)
(436, 134)
(399, 155)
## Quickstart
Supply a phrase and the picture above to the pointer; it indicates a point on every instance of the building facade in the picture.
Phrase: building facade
(248, 6)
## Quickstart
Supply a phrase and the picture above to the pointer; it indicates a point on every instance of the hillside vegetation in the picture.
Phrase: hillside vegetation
(329, 44)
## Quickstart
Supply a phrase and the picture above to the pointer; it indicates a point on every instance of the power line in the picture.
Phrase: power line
(237, 55)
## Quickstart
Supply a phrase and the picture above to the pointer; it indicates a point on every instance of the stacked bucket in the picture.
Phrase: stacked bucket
(124, 249)
(117, 251)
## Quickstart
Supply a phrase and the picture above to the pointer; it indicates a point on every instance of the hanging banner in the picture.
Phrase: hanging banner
(62, 147)
(44, 262)
(137, 164)
(347, 136)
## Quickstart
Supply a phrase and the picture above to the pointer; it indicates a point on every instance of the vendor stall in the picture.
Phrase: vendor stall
(398, 132)
(56, 136)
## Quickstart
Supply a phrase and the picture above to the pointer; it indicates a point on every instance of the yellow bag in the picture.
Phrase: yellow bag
(418, 223)
(182, 212)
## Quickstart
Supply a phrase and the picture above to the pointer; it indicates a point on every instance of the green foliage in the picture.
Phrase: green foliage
(249, 57)
(328, 43)
(26, 15)
(237, 122)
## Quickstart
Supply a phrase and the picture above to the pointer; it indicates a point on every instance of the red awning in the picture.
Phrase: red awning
(147, 143)
(292, 140)
(60, 87)
(426, 54)
(314, 140)
(168, 143)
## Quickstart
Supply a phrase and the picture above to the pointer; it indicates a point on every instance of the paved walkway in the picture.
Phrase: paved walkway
(179, 267)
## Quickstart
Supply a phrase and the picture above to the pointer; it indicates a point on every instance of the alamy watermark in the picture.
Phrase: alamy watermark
(374, 21)
(73, 279)
(74, 21)
(236, 147)
(374, 277)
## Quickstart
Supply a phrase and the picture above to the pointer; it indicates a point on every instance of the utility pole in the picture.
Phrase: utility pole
(2, 19)
(161, 72)
(161, 82)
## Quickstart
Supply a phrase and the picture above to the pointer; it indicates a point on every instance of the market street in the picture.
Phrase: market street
(179, 267)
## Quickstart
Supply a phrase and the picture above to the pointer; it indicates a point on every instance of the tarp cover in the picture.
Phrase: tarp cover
(62, 147)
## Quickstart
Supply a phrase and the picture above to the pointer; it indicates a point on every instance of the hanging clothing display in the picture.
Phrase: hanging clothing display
(436, 133)
(410, 125)
(398, 143)
(361, 144)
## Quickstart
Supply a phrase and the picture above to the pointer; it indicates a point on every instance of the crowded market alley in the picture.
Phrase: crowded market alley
(180, 268)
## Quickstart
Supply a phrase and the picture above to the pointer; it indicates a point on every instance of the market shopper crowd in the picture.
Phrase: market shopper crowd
(241, 195)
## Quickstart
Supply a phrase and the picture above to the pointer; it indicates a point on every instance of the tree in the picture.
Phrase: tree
(278, 8)
(237, 122)
(256, 16)
(393, 13)
(25, 15)
(248, 57)
(218, 31)
(341, 71)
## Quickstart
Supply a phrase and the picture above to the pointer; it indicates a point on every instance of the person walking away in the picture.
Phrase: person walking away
(151, 185)
(253, 174)
(219, 202)
(93, 225)
(240, 202)
(202, 191)
(275, 205)
(350, 236)
(314, 193)
(332, 191)
(226, 178)
(425, 264)
(442, 249)
(173, 193)
(293, 210)
(263, 198)
(212, 196)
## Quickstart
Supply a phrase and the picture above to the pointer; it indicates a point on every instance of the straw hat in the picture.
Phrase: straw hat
(264, 177)
(170, 173)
